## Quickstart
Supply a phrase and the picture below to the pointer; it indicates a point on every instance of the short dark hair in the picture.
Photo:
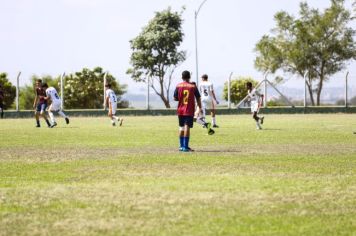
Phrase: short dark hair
(249, 84)
(185, 75)
(39, 80)
(205, 76)
(108, 85)
(45, 85)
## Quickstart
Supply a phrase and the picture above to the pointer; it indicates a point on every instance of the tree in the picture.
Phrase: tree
(320, 43)
(9, 91)
(27, 92)
(155, 53)
(238, 89)
(84, 89)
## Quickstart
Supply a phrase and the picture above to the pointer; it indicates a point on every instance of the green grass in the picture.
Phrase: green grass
(295, 177)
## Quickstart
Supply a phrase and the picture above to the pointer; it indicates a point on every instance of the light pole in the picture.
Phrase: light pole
(196, 40)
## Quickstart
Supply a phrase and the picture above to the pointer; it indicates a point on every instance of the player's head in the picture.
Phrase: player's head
(108, 86)
(45, 86)
(249, 85)
(186, 75)
(39, 82)
(204, 77)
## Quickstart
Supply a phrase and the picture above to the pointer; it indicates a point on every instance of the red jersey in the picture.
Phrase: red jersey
(41, 93)
(186, 93)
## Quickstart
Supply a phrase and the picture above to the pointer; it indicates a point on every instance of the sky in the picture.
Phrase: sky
(49, 37)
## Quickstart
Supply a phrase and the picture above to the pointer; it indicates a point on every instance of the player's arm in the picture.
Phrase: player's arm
(175, 96)
(197, 97)
(36, 99)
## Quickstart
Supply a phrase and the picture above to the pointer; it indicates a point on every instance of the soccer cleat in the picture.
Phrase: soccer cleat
(211, 131)
(262, 118)
(113, 124)
(121, 120)
(54, 124)
(181, 149)
(38, 126)
(215, 126)
(259, 128)
(187, 149)
(67, 120)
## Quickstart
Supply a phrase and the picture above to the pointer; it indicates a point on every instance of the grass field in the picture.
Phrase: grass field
(295, 177)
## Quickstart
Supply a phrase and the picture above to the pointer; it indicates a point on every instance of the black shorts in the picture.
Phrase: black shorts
(186, 120)
(41, 107)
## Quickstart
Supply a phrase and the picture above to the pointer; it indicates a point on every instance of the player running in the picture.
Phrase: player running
(56, 103)
(186, 93)
(208, 99)
(256, 100)
(1, 102)
(40, 104)
(111, 101)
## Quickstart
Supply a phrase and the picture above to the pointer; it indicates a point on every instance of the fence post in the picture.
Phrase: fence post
(346, 88)
(18, 90)
(62, 90)
(305, 88)
(265, 88)
(148, 95)
(229, 91)
(105, 75)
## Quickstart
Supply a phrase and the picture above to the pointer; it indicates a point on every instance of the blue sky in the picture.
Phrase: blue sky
(55, 36)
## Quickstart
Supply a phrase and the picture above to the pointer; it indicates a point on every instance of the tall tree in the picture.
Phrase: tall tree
(320, 43)
(155, 53)
(84, 89)
(8, 89)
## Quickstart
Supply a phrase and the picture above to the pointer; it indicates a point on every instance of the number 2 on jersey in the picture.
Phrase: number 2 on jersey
(185, 96)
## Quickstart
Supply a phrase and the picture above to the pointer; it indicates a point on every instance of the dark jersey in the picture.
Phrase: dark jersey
(41, 94)
(186, 93)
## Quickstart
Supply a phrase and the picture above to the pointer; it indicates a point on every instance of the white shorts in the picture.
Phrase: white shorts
(255, 107)
(208, 104)
(113, 107)
(55, 106)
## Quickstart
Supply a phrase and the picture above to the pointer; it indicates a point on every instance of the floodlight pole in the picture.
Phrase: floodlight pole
(229, 91)
(18, 90)
(105, 75)
(305, 88)
(346, 87)
(196, 41)
(62, 90)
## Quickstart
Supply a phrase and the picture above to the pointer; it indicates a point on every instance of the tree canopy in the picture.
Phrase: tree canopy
(155, 53)
(238, 89)
(320, 43)
(8, 89)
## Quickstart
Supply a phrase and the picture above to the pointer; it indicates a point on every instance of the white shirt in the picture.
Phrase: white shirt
(206, 89)
(254, 95)
(111, 95)
(53, 95)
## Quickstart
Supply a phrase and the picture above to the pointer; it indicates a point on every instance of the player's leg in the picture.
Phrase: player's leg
(37, 115)
(1, 111)
(188, 124)
(57, 107)
(113, 112)
(51, 115)
(43, 114)
(257, 119)
(181, 133)
(213, 113)
(110, 114)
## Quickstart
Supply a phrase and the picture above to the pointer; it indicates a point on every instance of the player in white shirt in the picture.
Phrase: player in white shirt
(111, 103)
(256, 100)
(208, 99)
(56, 104)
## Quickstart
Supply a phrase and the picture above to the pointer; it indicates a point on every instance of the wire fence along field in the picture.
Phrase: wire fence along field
(339, 90)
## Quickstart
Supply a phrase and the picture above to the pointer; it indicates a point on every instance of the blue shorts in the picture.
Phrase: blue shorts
(186, 120)
(41, 107)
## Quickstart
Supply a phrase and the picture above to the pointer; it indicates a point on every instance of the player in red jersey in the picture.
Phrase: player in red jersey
(40, 104)
(186, 93)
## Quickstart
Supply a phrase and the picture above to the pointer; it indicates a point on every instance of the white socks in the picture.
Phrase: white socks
(213, 119)
(51, 116)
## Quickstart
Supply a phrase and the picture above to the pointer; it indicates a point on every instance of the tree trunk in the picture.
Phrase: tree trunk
(320, 87)
(161, 93)
(310, 90)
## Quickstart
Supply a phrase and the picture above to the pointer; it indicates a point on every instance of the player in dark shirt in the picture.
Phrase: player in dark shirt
(40, 104)
(186, 93)
(1, 102)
